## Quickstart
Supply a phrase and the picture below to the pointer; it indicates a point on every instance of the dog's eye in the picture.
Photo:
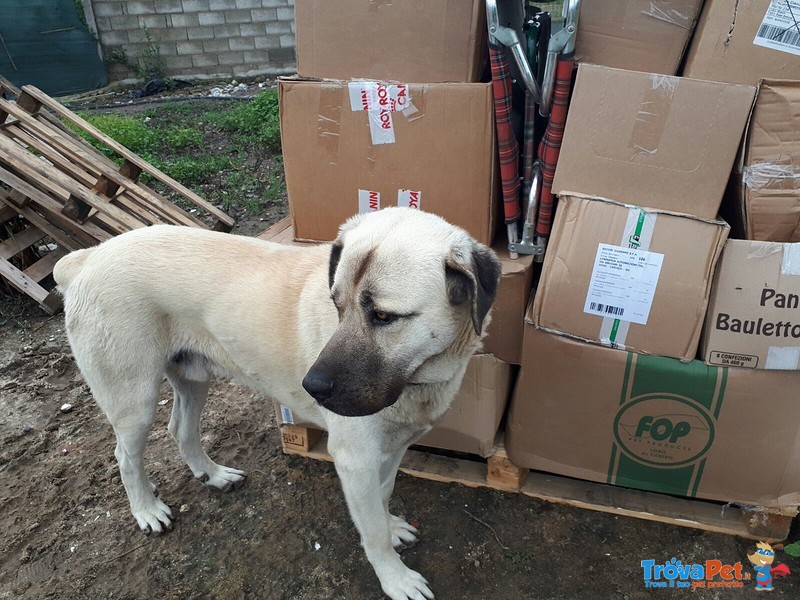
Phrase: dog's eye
(383, 317)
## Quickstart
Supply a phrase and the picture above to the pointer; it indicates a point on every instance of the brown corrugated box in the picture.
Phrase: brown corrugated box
(652, 140)
(472, 422)
(655, 423)
(754, 312)
(504, 334)
(723, 47)
(640, 35)
(413, 40)
(764, 193)
(443, 150)
(595, 257)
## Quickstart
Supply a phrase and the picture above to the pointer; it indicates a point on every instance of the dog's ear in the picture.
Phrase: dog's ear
(336, 255)
(473, 279)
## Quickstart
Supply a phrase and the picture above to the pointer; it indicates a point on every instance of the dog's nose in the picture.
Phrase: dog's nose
(318, 384)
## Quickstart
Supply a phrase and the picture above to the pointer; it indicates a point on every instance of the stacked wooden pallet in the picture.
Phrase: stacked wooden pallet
(66, 190)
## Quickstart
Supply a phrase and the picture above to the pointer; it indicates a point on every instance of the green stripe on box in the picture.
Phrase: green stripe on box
(665, 424)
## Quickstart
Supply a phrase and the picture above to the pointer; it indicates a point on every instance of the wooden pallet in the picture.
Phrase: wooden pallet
(500, 473)
(71, 192)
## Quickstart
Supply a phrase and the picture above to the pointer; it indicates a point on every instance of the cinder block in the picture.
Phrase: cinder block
(281, 55)
(241, 43)
(285, 14)
(248, 3)
(287, 41)
(256, 56)
(200, 33)
(195, 5)
(273, 3)
(207, 59)
(267, 42)
(103, 23)
(169, 6)
(167, 49)
(185, 20)
(114, 38)
(264, 14)
(190, 48)
(226, 31)
(252, 29)
(279, 27)
(237, 16)
(216, 45)
(107, 9)
(171, 34)
(125, 22)
(153, 21)
(140, 7)
(222, 4)
(174, 63)
(211, 18)
(231, 58)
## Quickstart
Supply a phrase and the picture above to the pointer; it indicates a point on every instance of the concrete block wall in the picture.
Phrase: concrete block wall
(195, 38)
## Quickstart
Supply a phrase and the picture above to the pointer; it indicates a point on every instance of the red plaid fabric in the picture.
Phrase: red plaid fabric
(506, 142)
(550, 145)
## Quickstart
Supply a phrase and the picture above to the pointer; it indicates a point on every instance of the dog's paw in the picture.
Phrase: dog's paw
(223, 478)
(154, 519)
(406, 584)
(404, 535)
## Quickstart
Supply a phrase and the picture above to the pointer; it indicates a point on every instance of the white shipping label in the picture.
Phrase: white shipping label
(780, 28)
(623, 283)
(286, 415)
(368, 201)
(409, 198)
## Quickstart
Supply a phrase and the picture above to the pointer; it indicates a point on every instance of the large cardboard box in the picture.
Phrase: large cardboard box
(763, 197)
(652, 140)
(628, 277)
(504, 334)
(743, 41)
(412, 40)
(754, 312)
(639, 35)
(472, 422)
(352, 147)
(655, 423)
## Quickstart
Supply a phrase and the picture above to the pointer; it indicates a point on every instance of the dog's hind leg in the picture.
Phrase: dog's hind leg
(131, 413)
(184, 426)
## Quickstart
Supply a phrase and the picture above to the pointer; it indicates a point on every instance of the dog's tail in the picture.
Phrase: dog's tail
(68, 267)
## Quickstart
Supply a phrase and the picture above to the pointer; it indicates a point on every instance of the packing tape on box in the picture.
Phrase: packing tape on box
(785, 358)
(651, 120)
(329, 117)
(666, 11)
(790, 265)
(761, 175)
(370, 200)
(379, 100)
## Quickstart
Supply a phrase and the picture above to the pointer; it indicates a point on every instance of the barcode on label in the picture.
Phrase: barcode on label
(608, 309)
(779, 34)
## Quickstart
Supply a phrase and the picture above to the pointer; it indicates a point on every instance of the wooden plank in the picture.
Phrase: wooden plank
(19, 242)
(44, 266)
(757, 523)
(274, 232)
(88, 234)
(22, 282)
(37, 95)
(6, 212)
(22, 160)
(94, 168)
(299, 439)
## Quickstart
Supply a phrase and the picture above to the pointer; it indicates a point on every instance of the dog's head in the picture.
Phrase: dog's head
(410, 288)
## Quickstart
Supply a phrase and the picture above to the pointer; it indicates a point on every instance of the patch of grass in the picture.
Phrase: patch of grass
(255, 122)
(193, 170)
(273, 191)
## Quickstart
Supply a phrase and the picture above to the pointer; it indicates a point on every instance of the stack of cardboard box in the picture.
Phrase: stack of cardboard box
(610, 389)
(388, 109)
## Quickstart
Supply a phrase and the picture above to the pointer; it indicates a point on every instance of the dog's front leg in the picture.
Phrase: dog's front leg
(359, 468)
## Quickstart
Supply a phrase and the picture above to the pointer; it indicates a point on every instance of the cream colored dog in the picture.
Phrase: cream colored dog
(368, 338)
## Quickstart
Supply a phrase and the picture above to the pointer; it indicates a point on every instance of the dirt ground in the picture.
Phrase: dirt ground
(285, 535)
